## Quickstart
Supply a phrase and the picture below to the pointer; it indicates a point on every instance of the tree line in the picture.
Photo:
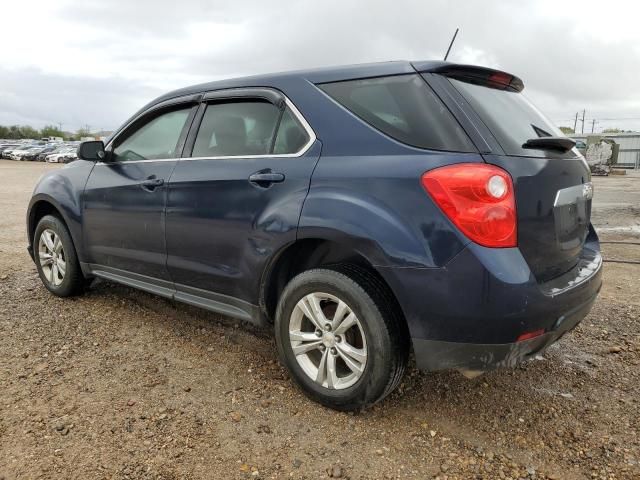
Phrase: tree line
(569, 131)
(18, 132)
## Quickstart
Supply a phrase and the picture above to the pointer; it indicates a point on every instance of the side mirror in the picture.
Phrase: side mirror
(92, 150)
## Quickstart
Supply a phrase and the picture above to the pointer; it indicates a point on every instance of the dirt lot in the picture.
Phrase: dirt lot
(120, 384)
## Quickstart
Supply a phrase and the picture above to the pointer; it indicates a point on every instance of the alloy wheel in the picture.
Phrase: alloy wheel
(328, 340)
(52, 257)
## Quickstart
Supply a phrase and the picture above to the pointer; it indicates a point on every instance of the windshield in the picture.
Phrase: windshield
(510, 117)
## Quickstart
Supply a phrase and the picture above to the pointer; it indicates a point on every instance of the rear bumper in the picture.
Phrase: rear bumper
(440, 355)
(470, 313)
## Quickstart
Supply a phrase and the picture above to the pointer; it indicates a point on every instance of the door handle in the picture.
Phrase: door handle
(151, 184)
(264, 179)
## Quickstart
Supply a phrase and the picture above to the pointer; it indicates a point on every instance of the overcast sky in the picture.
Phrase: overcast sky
(94, 62)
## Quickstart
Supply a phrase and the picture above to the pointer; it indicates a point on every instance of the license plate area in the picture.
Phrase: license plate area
(572, 210)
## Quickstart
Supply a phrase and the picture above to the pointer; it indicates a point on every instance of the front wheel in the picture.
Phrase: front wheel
(56, 258)
(341, 337)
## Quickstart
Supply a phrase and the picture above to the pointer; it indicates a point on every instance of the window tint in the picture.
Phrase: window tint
(511, 118)
(291, 135)
(236, 129)
(403, 107)
(156, 139)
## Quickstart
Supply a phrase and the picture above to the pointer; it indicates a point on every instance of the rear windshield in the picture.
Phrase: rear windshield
(403, 107)
(511, 118)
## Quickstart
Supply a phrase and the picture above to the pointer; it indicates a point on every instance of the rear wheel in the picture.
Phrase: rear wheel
(340, 337)
(56, 258)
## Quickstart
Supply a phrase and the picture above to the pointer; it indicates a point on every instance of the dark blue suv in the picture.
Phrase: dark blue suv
(363, 211)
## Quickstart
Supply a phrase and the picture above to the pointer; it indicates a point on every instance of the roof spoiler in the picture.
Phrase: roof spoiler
(474, 74)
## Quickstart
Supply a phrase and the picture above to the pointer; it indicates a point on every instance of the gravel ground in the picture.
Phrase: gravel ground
(119, 384)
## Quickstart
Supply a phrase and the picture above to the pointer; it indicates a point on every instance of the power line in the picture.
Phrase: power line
(599, 119)
(620, 118)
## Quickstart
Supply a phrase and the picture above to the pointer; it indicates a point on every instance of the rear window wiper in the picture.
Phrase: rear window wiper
(562, 144)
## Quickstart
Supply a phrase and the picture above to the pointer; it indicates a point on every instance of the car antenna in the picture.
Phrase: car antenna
(451, 44)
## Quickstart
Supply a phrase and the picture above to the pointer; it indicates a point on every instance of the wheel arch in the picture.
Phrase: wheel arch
(40, 206)
(311, 253)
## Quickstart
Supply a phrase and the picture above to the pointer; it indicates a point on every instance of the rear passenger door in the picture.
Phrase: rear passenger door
(235, 197)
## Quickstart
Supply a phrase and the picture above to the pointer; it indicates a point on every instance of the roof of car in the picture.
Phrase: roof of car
(316, 75)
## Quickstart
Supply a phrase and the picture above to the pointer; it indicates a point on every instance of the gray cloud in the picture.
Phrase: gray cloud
(567, 64)
(32, 97)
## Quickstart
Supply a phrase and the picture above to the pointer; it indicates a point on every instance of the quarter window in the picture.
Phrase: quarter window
(291, 135)
(155, 139)
(403, 107)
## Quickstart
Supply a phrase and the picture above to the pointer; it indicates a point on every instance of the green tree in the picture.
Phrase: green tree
(612, 130)
(51, 131)
(18, 132)
(83, 132)
(29, 132)
(567, 130)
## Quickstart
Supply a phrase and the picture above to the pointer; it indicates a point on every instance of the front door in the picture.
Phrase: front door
(124, 199)
(236, 197)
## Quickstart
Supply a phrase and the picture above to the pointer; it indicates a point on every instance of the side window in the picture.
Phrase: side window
(403, 107)
(291, 135)
(237, 129)
(155, 139)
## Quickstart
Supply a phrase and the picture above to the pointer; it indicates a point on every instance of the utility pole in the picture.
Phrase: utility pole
(583, 112)
(575, 123)
(593, 125)
(60, 126)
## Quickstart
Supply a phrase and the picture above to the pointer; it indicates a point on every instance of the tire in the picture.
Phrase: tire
(72, 281)
(379, 332)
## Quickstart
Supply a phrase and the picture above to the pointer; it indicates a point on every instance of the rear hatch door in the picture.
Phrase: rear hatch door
(553, 202)
(552, 180)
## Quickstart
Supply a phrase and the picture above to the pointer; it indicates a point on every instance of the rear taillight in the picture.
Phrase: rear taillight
(479, 199)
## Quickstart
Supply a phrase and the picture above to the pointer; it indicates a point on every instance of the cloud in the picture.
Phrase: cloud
(29, 96)
(116, 53)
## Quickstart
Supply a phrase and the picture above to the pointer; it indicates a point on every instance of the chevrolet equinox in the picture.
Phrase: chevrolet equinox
(361, 211)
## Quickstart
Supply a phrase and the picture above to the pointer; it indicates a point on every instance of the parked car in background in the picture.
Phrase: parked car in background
(21, 153)
(36, 150)
(581, 146)
(32, 150)
(71, 156)
(361, 212)
(33, 153)
(62, 156)
(48, 150)
(7, 147)
(6, 153)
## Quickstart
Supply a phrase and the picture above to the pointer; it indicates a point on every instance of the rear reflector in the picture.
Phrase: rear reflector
(479, 199)
(530, 335)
